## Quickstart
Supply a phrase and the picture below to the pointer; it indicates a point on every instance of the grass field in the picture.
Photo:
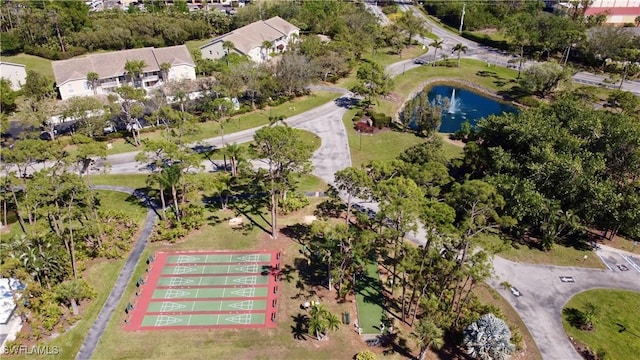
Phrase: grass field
(237, 123)
(385, 145)
(35, 63)
(387, 56)
(560, 255)
(118, 201)
(614, 307)
(195, 44)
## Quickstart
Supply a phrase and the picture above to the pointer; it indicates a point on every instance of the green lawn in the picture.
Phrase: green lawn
(195, 44)
(614, 307)
(135, 181)
(385, 145)
(560, 255)
(311, 183)
(387, 56)
(237, 123)
(118, 201)
(35, 63)
(370, 300)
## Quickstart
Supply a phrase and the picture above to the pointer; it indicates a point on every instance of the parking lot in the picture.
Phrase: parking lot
(618, 262)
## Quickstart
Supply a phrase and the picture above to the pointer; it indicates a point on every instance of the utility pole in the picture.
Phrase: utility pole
(462, 18)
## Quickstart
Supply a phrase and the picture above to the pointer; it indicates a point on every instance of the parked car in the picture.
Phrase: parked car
(420, 61)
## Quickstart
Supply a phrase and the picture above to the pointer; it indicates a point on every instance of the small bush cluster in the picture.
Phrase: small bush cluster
(293, 202)
(171, 229)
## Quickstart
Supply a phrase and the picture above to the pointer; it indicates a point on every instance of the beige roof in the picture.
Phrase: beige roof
(112, 64)
(253, 35)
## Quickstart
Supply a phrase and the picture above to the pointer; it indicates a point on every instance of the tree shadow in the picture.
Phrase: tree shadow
(396, 344)
(574, 316)
(370, 288)
(300, 329)
(297, 232)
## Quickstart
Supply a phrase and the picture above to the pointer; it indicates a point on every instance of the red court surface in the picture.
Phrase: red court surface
(208, 290)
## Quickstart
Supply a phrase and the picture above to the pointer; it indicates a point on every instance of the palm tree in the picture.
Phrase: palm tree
(134, 69)
(460, 47)
(488, 338)
(92, 78)
(164, 70)
(436, 44)
(266, 46)
(427, 334)
(228, 46)
(169, 178)
(322, 321)
(235, 153)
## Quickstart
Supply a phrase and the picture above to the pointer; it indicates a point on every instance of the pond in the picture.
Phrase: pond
(465, 105)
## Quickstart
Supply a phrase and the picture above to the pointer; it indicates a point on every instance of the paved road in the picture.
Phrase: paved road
(499, 57)
(544, 295)
(100, 324)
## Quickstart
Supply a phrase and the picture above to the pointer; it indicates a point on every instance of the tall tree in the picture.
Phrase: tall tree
(436, 45)
(427, 335)
(460, 48)
(373, 81)
(227, 46)
(411, 24)
(355, 183)
(132, 108)
(93, 78)
(134, 69)
(284, 153)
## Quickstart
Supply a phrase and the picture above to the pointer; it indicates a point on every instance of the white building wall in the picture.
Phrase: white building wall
(17, 74)
(213, 51)
(180, 72)
(75, 88)
(256, 54)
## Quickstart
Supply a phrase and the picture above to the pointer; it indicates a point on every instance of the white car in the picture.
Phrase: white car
(515, 292)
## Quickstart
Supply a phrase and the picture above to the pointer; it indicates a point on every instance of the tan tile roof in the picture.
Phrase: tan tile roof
(112, 64)
(253, 35)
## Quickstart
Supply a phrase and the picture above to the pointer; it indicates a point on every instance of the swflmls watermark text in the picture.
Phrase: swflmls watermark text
(31, 350)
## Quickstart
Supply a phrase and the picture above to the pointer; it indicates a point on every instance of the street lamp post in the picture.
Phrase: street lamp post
(462, 18)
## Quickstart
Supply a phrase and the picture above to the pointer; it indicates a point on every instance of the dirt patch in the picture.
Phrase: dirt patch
(449, 140)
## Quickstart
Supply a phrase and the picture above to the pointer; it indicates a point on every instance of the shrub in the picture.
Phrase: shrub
(380, 120)
(293, 202)
(363, 127)
(528, 101)
(365, 355)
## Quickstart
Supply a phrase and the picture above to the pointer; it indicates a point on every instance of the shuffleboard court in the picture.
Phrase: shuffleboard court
(213, 269)
(199, 321)
(202, 306)
(204, 290)
(213, 281)
(218, 258)
(209, 293)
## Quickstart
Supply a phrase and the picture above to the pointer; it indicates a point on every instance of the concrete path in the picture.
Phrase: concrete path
(93, 337)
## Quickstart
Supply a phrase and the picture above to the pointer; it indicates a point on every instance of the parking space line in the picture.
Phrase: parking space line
(604, 262)
(631, 262)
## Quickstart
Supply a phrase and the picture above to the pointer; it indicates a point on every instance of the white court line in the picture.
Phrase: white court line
(205, 258)
(189, 322)
(228, 269)
(193, 306)
(197, 291)
(217, 319)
